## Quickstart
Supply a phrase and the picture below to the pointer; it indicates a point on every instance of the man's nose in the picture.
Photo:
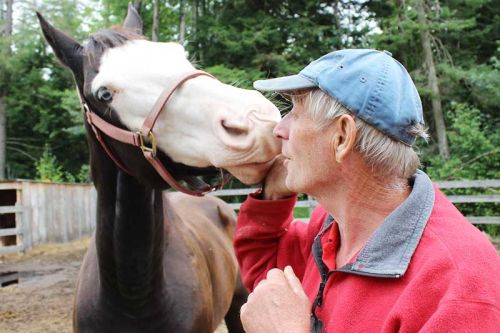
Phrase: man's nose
(281, 130)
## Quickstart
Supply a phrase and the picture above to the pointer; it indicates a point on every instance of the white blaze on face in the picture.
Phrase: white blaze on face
(205, 123)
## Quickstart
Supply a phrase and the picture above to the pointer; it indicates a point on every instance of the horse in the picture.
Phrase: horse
(160, 261)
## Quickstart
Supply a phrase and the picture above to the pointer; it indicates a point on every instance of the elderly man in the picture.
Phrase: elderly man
(384, 251)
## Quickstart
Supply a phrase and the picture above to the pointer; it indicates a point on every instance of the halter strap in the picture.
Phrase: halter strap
(93, 119)
(145, 135)
(151, 119)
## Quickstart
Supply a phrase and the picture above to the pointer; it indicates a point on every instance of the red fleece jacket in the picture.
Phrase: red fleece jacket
(452, 283)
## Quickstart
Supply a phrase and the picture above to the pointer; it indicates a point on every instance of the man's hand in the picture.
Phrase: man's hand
(277, 305)
(275, 182)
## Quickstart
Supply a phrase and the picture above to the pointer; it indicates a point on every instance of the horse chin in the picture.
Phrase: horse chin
(250, 173)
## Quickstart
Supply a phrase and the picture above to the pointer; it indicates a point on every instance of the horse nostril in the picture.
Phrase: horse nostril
(234, 128)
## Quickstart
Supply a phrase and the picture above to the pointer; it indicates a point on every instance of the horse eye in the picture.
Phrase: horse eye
(104, 95)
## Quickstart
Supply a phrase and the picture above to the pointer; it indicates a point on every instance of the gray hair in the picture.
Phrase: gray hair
(383, 154)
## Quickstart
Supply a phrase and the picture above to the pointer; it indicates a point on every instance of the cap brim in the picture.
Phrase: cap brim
(285, 83)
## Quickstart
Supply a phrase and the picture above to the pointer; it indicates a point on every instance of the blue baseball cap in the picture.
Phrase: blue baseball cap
(370, 83)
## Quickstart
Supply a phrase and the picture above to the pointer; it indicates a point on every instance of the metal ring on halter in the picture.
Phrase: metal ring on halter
(151, 138)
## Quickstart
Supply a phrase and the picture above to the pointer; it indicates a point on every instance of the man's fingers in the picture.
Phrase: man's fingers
(243, 309)
(293, 281)
(275, 274)
(244, 315)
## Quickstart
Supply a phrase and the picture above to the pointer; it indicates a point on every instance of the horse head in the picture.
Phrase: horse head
(206, 124)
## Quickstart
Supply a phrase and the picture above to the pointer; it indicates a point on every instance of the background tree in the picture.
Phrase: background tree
(450, 48)
(432, 79)
(156, 21)
(42, 108)
(5, 53)
(182, 22)
(464, 43)
(270, 38)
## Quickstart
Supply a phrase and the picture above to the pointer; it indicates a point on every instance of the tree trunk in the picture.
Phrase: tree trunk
(194, 16)
(432, 81)
(156, 21)
(7, 33)
(137, 5)
(182, 22)
(201, 12)
(401, 10)
(196, 13)
(107, 12)
(336, 15)
(203, 8)
(8, 18)
(3, 136)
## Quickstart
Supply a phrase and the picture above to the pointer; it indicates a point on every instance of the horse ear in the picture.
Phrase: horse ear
(133, 20)
(67, 50)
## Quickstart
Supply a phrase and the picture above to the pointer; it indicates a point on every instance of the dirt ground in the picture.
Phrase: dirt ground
(42, 301)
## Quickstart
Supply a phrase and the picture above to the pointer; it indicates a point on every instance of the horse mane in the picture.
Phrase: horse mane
(99, 42)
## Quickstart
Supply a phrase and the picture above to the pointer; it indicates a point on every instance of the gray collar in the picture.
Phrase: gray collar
(388, 252)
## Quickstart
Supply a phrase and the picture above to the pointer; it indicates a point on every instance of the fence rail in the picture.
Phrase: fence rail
(33, 213)
(16, 232)
(13, 229)
(486, 183)
(46, 212)
(12, 232)
(444, 185)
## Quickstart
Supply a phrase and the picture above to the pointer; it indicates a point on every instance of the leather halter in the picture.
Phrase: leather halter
(145, 135)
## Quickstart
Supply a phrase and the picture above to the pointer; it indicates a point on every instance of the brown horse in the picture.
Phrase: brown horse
(161, 262)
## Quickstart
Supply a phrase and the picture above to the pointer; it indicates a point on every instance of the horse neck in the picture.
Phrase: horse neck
(129, 233)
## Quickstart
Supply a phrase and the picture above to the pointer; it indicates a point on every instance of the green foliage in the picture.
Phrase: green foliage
(477, 85)
(236, 77)
(243, 40)
(475, 155)
(274, 37)
(83, 175)
(464, 44)
(475, 148)
(42, 107)
(112, 13)
(48, 169)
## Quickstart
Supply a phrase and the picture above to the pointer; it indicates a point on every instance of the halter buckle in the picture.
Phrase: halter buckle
(151, 138)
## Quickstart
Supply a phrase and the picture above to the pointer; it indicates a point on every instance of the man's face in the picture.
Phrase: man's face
(309, 160)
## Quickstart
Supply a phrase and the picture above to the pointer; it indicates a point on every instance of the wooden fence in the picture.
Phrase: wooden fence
(35, 212)
(475, 198)
(310, 203)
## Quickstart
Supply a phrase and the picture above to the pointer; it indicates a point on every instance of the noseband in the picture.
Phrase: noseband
(146, 140)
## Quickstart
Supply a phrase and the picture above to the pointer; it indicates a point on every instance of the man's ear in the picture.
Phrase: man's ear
(343, 136)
